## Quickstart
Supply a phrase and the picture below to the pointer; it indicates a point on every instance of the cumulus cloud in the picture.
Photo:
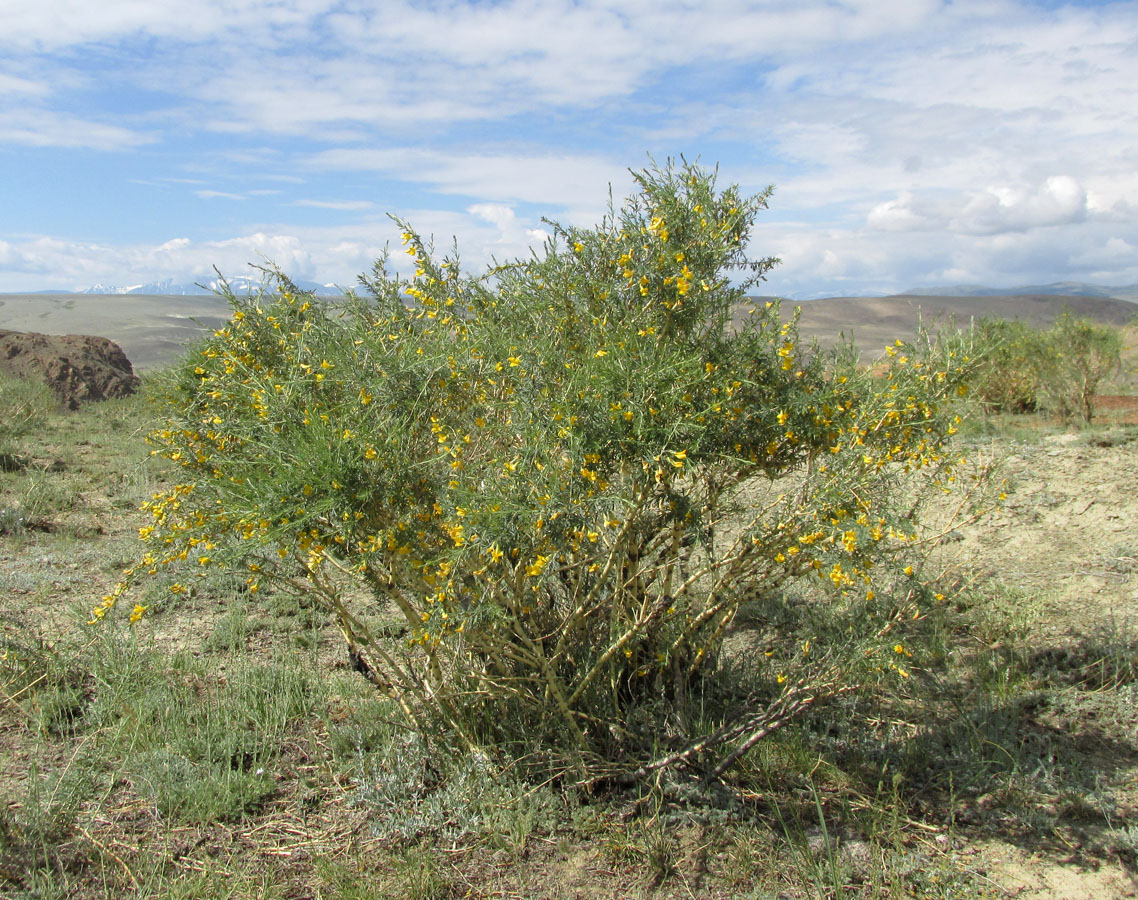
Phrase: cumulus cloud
(901, 214)
(40, 261)
(1060, 200)
(328, 254)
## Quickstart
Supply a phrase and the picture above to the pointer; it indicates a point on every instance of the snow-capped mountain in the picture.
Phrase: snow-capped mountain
(239, 284)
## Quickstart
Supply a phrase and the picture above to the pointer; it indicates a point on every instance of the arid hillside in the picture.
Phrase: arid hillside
(876, 321)
(152, 330)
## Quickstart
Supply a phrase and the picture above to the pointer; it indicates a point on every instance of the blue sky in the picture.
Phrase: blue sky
(912, 143)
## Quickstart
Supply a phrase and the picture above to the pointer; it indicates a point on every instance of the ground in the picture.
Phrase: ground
(222, 747)
(1066, 543)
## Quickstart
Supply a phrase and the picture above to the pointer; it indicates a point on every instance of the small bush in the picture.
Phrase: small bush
(1008, 378)
(565, 477)
(1077, 356)
(1057, 371)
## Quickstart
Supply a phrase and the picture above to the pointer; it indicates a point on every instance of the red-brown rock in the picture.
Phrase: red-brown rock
(79, 368)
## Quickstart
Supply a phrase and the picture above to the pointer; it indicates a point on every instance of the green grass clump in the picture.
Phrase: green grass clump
(25, 405)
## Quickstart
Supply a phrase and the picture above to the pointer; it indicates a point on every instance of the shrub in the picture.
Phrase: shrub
(1058, 371)
(1077, 356)
(1007, 380)
(565, 477)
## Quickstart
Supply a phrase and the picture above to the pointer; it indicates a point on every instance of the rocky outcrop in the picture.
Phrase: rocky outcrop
(79, 368)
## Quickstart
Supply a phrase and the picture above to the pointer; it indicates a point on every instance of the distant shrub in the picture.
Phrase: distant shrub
(1058, 371)
(1078, 355)
(566, 477)
(1007, 380)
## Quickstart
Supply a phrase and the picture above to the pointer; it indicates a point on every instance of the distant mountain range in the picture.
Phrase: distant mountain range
(239, 284)
(243, 284)
(1058, 288)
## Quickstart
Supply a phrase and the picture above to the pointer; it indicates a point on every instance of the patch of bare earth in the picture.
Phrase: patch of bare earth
(1066, 541)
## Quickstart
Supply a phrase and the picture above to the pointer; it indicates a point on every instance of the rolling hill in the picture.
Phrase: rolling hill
(154, 329)
(874, 322)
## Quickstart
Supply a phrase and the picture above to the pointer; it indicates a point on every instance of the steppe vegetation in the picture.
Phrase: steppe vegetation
(1057, 371)
(900, 711)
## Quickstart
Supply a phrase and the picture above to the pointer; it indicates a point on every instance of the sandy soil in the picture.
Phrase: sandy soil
(1066, 540)
(1068, 530)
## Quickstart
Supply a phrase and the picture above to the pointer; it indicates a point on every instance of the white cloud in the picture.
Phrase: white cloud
(335, 253)
(898, 214)
(496, 214)
(218, 195)
(1061, 200)
(289, 66)
(1111, 257)
(59, 23)
(33, 127)
(11, 85)
(342, 205)
(910, 140)
(571, 181)
(40, 261)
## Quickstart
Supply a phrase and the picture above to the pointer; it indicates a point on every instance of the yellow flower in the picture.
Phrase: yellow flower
(136, 613)
(537, 566)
